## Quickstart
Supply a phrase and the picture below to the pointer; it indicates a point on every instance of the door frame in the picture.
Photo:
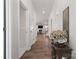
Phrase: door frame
(7, 30)
(4, 29)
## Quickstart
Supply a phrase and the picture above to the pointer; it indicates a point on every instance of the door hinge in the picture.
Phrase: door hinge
(4, 28)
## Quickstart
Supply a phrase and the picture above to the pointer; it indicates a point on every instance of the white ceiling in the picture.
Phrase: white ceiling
(43, 6)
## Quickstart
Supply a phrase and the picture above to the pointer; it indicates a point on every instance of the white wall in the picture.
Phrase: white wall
(13, 31)
(72, 24)
(14, 28)
(1, 30)
(57, 20)
(30, 33)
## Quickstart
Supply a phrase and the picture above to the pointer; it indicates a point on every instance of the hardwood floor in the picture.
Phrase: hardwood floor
(40, 50)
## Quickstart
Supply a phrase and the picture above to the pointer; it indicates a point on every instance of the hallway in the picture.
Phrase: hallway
(40, 50)
(25, 18)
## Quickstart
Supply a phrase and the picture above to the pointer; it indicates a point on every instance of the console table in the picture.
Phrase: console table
(62, 52)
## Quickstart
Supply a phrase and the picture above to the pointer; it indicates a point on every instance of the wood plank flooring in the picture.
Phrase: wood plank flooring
(40, 50)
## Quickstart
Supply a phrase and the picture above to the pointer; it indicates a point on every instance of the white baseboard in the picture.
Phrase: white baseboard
(29, 48)
(23, 50)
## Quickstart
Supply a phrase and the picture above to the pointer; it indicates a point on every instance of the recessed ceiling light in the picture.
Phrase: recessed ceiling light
(43, 12)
